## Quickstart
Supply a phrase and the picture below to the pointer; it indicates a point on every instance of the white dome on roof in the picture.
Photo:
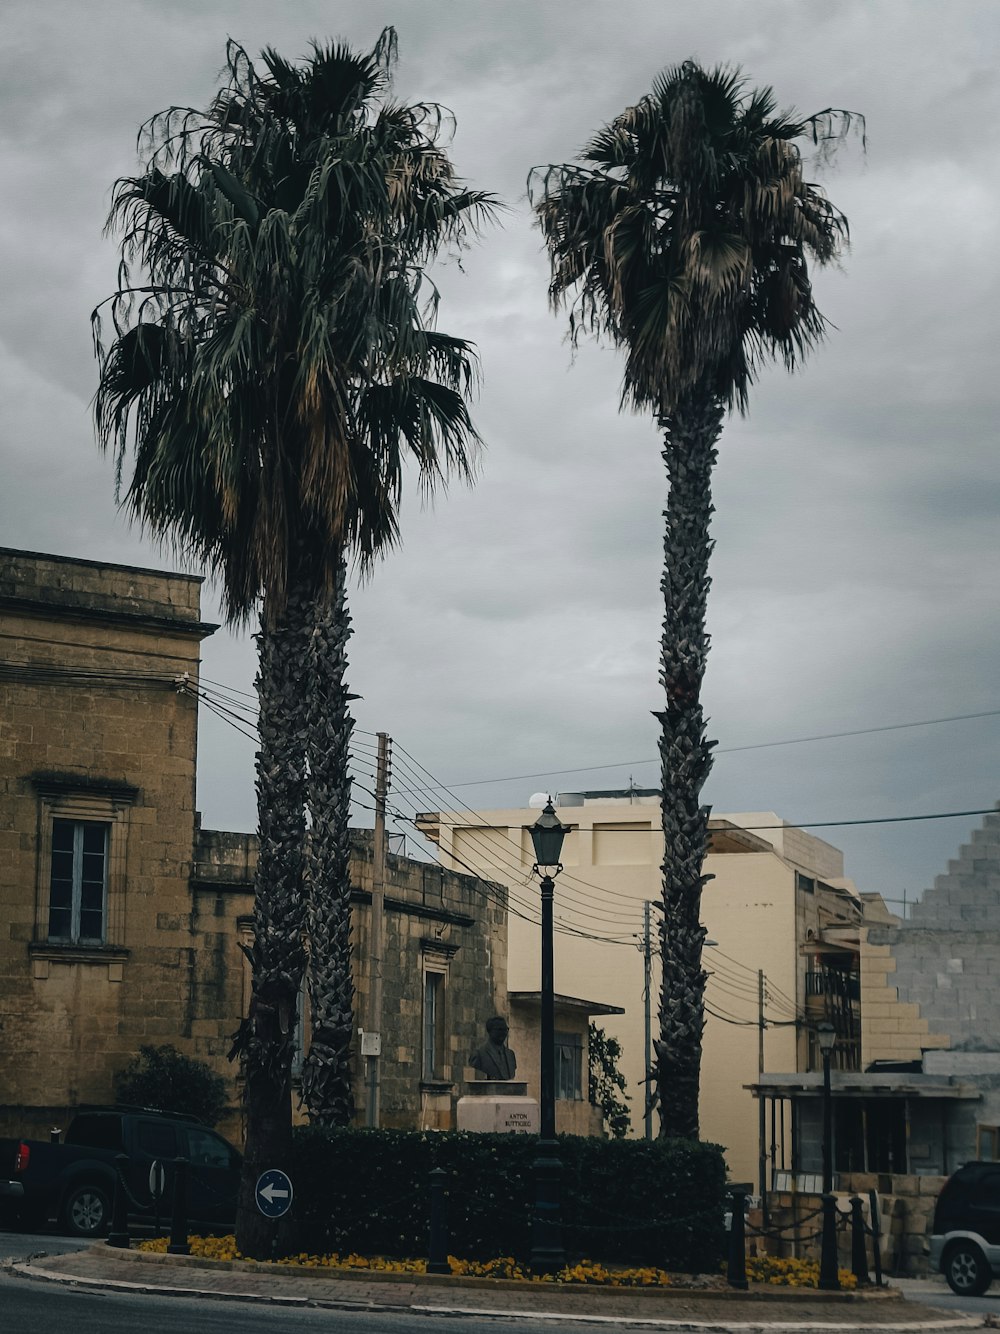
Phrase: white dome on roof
(537, 801)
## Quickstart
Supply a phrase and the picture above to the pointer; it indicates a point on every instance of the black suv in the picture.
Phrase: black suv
(965, 1245)
(74, 1181)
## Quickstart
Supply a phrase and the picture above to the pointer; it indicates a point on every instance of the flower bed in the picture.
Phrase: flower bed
(586, 1271)
(792, 1273)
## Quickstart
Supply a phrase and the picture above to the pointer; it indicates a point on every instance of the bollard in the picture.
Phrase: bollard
(736, 1271)
(859, 1248)
(876, 1236)
(118, 1236)
(178, 1222)
(54, 1134)
(437, 1251)
(829, 1275)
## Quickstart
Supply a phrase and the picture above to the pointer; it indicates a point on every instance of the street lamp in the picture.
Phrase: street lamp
(829, 1278)
(547, 1254)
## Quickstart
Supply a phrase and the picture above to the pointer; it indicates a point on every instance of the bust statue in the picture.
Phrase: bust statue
(494, 1059)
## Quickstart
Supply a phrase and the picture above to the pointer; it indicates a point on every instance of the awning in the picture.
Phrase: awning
(851, 1084)
(564, 1003)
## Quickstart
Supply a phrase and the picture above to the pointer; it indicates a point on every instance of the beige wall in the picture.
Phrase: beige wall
(612, 864)
(573, 1117)
(92, 727)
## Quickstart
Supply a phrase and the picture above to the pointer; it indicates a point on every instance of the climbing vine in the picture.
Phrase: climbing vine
(607, 1083)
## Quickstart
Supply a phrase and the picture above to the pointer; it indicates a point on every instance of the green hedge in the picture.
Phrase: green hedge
(624, 1201)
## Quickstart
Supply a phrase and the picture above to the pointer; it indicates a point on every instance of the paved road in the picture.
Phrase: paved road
(41, 1308)
(935, 1292)
(19, 1245)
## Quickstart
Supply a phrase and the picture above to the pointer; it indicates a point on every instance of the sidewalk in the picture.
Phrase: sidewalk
(675, 1309)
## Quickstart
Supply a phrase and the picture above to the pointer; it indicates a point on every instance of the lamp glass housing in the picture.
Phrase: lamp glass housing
(547, 834)
(826, 1035)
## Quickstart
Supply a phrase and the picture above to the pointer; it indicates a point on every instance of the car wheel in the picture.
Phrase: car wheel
(87, 1211)
(966, 1270)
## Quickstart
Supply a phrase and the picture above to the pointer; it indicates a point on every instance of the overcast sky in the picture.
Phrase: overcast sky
(516, 630)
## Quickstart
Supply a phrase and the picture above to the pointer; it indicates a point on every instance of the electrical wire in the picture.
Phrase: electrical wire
(436, 786)
(489, 856)
(567, 877)
(226, 719)
(729, 984)
(533, 921)
(732, 750)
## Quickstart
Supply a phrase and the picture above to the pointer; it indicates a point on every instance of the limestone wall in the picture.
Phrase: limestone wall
(93, 729)
(931, 982)
(906, 1214)
(435, 920)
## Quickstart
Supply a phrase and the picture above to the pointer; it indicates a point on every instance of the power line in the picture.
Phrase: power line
(885, 819)
(732, 750)
(420, 788)
(436, 786)
(503, 847)
(523, 878)
(561, 927)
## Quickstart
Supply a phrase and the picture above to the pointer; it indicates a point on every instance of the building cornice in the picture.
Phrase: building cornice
(48, 610)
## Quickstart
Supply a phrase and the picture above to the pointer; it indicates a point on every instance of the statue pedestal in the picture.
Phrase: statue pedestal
(497, 1107)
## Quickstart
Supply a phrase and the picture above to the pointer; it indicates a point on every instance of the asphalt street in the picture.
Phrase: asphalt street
(45, 1308)
(19, 1245)
(933, 1292)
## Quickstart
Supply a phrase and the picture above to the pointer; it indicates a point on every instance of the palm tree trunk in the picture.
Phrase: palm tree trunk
(690, 434)
(266, 1039)
(326, 1074)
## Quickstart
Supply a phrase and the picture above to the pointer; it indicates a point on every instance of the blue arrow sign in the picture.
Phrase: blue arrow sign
(274, 1193)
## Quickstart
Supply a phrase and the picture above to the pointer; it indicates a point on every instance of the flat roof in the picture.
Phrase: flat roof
(102, 564)
(567, 1002)
(855, 1084)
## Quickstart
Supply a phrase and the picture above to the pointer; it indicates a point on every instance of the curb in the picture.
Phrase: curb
(759, 1294)
(27, 1269)
(645, 1322)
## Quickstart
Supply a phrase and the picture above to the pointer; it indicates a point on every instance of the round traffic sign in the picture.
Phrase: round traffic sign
(273, 1193)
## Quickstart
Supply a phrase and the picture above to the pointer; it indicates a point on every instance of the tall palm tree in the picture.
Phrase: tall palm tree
(273, 364)
(682, 235)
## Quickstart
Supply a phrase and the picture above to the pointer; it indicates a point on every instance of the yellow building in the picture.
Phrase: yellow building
(778, 909)
(121, 918)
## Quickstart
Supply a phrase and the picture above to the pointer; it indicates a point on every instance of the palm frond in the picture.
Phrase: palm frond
(685, 231)
(275, 361)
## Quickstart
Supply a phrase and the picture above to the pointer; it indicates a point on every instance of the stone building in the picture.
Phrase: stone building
(120, 918)
(927, 1097)
(444, 971)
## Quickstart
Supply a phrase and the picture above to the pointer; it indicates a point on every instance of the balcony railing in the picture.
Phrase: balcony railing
(833, 984)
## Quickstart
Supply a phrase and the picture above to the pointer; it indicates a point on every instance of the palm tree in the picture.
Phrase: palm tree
(682, 235)
(273, 363)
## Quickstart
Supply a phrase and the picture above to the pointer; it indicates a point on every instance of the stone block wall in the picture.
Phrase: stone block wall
(434, 919)
(906, 1214)
(892, 1028)
(931, 981)
(93, 728)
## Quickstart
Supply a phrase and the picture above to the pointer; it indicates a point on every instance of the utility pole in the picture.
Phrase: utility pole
(372, 1040)
(761, 1118)
(647, 981)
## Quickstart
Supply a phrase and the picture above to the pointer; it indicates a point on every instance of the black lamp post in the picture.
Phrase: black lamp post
(547, 1254)
(829, 1278)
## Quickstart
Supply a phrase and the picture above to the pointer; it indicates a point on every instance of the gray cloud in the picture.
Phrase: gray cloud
(517, 628)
